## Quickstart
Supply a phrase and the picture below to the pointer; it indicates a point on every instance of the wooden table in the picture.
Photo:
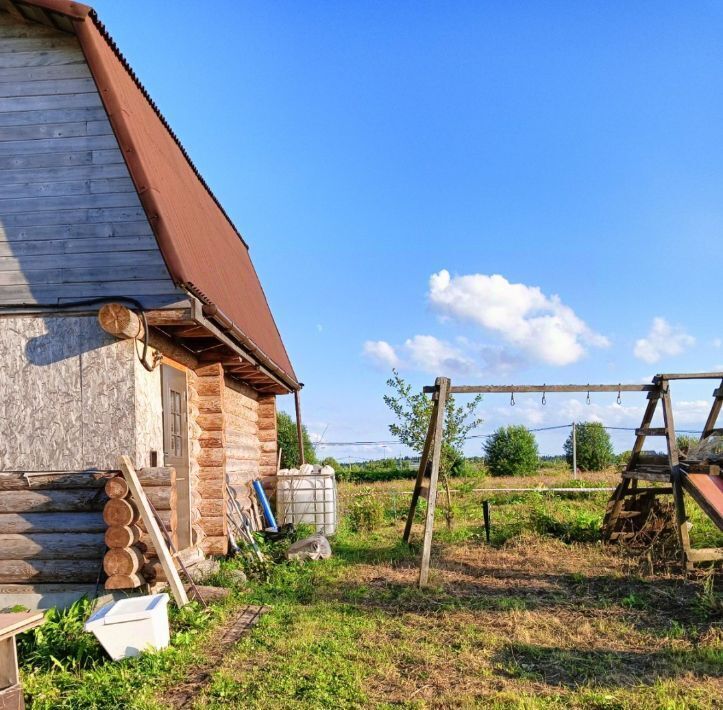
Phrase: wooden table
(11, 692)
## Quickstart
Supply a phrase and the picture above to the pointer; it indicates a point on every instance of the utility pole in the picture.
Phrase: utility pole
(574, 450)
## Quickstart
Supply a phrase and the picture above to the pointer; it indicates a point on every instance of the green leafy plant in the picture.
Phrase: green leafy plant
(61, 642)
(366, 512)
(413, 411)
(288, 442)
(512, 451)
(331, 461)
(685, 442)
(594, 448)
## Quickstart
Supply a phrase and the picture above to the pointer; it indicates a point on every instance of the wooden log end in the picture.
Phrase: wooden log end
(124, 581)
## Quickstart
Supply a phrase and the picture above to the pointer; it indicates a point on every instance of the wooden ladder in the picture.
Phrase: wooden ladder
(629, 500)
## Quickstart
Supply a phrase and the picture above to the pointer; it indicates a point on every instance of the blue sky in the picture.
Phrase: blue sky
(500, 192)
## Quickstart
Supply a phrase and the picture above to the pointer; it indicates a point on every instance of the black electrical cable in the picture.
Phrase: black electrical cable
(137, 306)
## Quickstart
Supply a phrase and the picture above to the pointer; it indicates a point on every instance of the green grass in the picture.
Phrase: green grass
(545, 617)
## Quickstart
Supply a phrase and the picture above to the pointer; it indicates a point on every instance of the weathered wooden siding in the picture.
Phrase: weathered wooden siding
(71, 223)
(243, 450)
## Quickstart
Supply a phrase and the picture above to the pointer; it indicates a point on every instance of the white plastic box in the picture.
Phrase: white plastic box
(129, 626)
(307, 495)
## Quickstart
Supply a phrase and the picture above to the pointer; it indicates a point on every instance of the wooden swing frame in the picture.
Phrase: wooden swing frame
(659, 390)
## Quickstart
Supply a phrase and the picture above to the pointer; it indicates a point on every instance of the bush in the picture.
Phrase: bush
(366, 512)
(594, 448)
(289, 444)
(686, 442)
(512, 451)
(624, 457)
(331, 461)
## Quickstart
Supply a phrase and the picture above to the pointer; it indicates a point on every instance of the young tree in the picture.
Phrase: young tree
(594, 448)
(289, 443)
(413, 410)
(512, 451)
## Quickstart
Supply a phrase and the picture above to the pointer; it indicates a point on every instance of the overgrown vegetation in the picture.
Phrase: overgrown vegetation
(512, 451)
(594, 448)
(288, 442)
(544, 617)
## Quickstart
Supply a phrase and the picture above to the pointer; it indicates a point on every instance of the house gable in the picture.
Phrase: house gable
(71, 223)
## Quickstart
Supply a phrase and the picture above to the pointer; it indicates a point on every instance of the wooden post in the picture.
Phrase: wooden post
(151, 525)
(442, 385)
(681, 518)
(574, 450)
(422, 470)
(299, 427)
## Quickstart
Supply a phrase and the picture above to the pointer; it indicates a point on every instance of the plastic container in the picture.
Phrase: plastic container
(307, 495)
(129, 626)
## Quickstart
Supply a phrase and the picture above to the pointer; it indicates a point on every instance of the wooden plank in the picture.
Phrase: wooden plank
(20, 523)
(515, 389)
(21, 481)
(13, 623)
(147, 264)
(49, 546)
(51, 571)
(77, 70)
(55, 116)
(45, 131)
(71, 232)
(47, 88)
(151, 526)
(51, 501)
(57, 145)
(650, 431)
(38, 103)
(38, 44)
(68, 292)
(69, 202)
(443, 386)
(65, 247)
(35, 59)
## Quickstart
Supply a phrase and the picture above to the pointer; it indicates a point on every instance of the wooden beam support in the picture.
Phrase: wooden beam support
(299, 428)
(545, 389)
(13, 9)
(650, 431)
(443, 387)
(170, 317)
(120, 321)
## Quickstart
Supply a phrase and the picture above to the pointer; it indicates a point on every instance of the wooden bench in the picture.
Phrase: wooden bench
(11, 692)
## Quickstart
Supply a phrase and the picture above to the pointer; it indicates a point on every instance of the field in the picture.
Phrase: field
(543, 617)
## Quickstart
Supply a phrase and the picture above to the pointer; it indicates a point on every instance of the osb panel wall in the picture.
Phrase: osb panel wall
(268, 460)
(67, 395)
(148, 413)
(208, 397)
(243, 450)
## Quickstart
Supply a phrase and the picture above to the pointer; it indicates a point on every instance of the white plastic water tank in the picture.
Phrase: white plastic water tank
(307, 495)
(129, 626)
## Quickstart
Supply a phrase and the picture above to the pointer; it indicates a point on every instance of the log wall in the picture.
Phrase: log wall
(268, 460)
(243, 449)
(52, 527)
(71, 222)
(206, 389)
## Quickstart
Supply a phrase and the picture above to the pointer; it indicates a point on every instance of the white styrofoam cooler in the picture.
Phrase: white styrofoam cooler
(129, 626)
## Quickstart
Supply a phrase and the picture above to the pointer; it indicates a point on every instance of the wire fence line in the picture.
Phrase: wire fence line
(487, 436)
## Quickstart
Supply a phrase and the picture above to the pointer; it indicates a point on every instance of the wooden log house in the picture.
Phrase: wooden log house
(132, 320)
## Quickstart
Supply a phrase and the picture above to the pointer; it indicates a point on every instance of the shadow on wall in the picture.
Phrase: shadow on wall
(63, 337)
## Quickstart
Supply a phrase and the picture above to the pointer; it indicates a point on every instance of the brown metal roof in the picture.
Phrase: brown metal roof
(203, 250)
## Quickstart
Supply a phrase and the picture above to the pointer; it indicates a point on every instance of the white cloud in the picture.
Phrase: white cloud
(717, 342)
(541, 326)
(381, 354)
(663, 339)
(438, 357)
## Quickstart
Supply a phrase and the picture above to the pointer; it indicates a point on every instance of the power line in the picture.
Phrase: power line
(487, 436)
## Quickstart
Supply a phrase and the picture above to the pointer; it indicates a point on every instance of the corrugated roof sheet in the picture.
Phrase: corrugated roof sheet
(201, 246)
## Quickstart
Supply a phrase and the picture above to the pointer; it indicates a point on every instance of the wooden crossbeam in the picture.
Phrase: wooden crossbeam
(13, 9)
(545, 389)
